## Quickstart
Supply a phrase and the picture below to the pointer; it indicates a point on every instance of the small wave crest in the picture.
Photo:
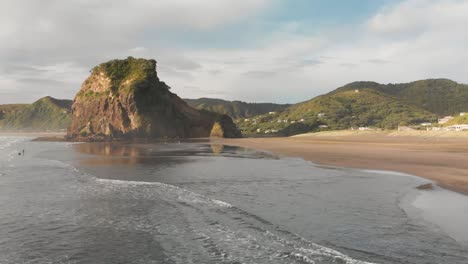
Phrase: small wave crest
(183, 194)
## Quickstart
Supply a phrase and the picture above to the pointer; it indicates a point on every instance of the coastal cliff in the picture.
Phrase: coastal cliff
(124, 99)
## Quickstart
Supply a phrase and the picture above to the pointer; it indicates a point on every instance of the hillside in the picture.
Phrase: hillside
(352, 106)
(46, 114)
(235, 109)
(458, 120)
(125, 99)
(439, 96)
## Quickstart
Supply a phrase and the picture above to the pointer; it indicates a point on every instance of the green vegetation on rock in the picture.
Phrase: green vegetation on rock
(125, 99)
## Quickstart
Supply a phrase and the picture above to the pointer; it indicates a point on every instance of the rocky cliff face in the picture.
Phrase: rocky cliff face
(124, 99)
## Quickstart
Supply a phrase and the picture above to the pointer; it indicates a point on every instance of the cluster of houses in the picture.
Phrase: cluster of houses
(426, 125)
(268, 131)
(292, 122)
(441, 121)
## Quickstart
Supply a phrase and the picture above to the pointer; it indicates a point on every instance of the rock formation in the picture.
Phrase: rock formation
(124, 99)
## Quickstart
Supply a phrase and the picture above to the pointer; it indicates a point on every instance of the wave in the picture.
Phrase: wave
(185, 195)
(220, 228)
(227, 232)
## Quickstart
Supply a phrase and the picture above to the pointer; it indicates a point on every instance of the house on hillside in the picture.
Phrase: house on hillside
(271, 113)
(445, 120)
(457, 128)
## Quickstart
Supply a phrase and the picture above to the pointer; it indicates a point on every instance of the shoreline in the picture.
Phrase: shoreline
(442, 160)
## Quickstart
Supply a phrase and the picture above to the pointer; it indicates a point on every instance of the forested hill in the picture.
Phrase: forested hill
(439, 96)
(367, 104)
(46, 114)
(235, 109)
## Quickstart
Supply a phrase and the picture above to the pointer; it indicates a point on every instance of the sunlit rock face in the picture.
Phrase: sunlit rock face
(124, 99)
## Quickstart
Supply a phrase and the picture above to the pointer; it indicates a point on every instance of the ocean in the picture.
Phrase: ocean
(198, 202)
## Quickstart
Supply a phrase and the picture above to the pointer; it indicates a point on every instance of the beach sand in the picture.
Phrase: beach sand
(438, 156)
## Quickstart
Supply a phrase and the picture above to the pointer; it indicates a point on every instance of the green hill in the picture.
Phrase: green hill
(235, 109)
(358, 104)
(458, 120)
(439, 96)
(46, 114)
(340, 109)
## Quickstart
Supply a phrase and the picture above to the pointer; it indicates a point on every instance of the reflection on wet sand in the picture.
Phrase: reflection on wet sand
(110, 149)
(122, 154)
(217, 149)
(163, 154)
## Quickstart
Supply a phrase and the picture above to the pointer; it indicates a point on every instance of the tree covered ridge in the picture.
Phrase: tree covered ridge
(367, 104)
(439, 96)
(235, 109)
(46, 114)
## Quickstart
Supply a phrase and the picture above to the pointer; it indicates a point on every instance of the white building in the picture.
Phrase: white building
(462, 114)
(271, 113)
(426, 124)
(259, 130)
(445, 119)
(302, 120)
(457, 128)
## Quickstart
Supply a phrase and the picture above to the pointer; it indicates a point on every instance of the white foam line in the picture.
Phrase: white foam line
(195, 197)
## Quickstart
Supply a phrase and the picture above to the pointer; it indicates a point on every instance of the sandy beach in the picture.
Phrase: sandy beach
(438, 156)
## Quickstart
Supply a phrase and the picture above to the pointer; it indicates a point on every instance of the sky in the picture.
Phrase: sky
(281, 51)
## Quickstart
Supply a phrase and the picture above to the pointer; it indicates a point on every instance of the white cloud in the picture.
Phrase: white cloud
(62, 40)
(411, 40)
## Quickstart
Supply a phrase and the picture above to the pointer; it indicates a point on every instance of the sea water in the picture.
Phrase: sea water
(208, 203)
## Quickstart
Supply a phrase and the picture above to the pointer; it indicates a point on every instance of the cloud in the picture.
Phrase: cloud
(200, 92)
(280, 61)
(378, 61)
(85, 33)
(260, 74)
(419, 16)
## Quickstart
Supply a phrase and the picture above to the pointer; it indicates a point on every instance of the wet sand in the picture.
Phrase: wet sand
(441, 158)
